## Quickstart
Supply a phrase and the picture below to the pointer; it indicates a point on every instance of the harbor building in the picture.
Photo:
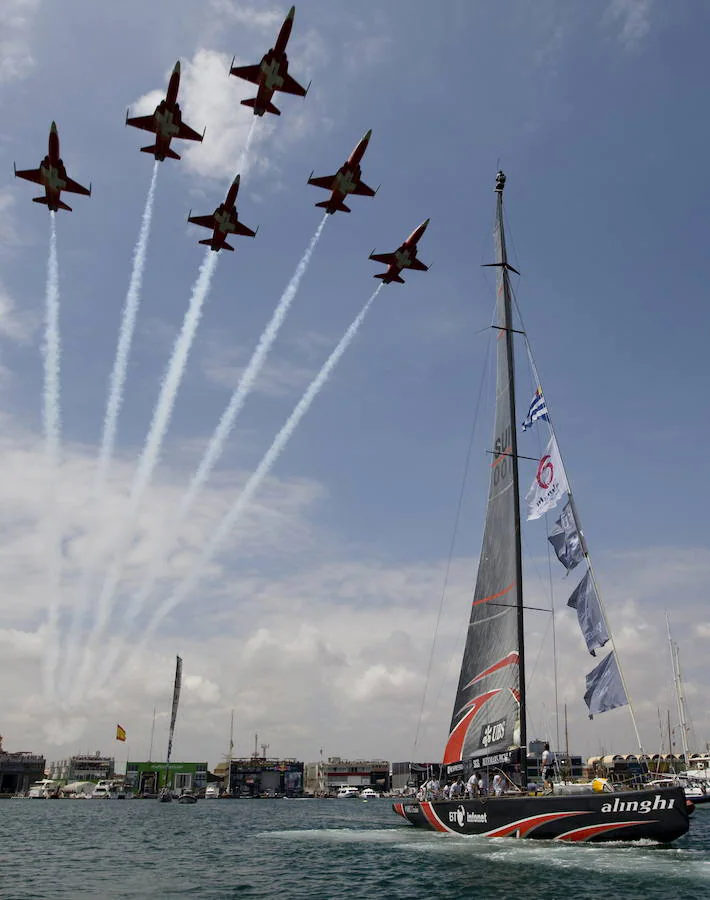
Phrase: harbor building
(151, 777)
(19, 770)
(261, 777)
(83, 767)
(328, 777)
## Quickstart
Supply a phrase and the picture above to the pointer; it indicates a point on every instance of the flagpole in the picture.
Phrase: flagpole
(152, 735)
(585, 550)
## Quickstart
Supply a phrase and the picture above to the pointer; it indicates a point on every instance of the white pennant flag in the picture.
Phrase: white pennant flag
(549, 483)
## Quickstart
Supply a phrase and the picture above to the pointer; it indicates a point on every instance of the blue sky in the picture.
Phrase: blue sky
(316, 621)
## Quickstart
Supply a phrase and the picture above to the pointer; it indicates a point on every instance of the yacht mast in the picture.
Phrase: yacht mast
(507, 329)
(679, 696)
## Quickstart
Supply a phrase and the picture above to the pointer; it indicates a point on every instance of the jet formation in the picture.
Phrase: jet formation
(224, 221)
(271, 74)
(166, 123)
(52, 175)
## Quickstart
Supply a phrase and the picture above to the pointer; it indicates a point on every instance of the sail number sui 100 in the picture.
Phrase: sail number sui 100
(501, 461)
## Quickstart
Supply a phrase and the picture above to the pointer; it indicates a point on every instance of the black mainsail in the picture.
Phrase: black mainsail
(489, 712)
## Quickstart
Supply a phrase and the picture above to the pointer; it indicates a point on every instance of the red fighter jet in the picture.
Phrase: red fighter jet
(404, 257)
(224, 220)
(345, 181)
(166, 122)
(52, 176)
(272, 73)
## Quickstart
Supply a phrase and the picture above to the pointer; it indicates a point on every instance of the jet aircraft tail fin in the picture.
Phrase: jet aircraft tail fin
(331, 208)
(171, 153)
(387, 279)
(60, 203)
(209, 243)
(269, 106)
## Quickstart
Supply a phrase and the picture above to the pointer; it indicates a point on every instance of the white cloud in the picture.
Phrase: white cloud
(632, 18)
(16, 17)
(250, 16)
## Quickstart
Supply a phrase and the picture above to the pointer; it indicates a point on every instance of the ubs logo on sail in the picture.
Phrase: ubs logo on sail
(493, 732)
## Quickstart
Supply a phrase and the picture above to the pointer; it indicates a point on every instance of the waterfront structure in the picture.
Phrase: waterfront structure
(19, 770)
(328, 777)
(83, 767)
(258, 777)
(152, 777)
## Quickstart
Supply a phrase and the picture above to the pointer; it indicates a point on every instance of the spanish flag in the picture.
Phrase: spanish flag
(120, 733)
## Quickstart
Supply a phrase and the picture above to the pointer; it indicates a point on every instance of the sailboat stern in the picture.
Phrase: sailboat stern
(657, 815)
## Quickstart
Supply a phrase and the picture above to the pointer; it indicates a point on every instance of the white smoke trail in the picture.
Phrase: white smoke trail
(224, 428)
(125, 338)
(149, 457)
(260, 473)
(52, 419)
(215, 448)
(113, 408)
(247, 145)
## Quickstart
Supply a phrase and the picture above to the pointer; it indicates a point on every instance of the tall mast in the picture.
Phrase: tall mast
(680, 699)
(507, 327)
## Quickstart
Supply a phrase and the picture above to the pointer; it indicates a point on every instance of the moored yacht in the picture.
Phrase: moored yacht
(347, 792)
(43, 789)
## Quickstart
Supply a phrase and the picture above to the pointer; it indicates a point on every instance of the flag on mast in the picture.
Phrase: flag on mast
(549, 484)
(538, 410)
(120, 733)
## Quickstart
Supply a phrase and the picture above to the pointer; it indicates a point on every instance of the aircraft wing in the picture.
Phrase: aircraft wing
(186, 133)
(291, 86)
(203, 221)
(147, 123)
(364, 190)
(241, 228)
(75, 188)
(387, 258)
(418, 265)
(325, 181)
(29, 175)
(249, 73)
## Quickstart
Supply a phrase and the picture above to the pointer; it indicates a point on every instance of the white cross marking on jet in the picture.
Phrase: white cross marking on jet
(403, 257)
(51, 177)
(224, 221)
(346, 181)
(165, 123)
(271, 70)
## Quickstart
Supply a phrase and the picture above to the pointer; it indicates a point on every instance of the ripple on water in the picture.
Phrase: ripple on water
(315, 850)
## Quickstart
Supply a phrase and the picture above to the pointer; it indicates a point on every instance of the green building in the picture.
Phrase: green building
(151, 777)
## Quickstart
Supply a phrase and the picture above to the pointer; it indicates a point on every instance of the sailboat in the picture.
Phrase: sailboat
(488, 726)
(165, 795)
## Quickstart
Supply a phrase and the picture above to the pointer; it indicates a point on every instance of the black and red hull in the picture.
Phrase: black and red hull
(657, 815)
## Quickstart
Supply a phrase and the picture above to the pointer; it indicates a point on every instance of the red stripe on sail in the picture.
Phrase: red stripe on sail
(454, 745)
(432, 817)
(504, 454)
(512, 659)
(524, 826)
(495, 596)
(584, 834)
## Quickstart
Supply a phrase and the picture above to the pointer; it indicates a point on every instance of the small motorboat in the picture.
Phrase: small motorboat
(187, 797)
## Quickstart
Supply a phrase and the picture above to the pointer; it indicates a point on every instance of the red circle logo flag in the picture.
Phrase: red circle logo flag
(545, 472)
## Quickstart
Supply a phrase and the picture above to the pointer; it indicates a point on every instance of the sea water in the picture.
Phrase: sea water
(315, 849)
